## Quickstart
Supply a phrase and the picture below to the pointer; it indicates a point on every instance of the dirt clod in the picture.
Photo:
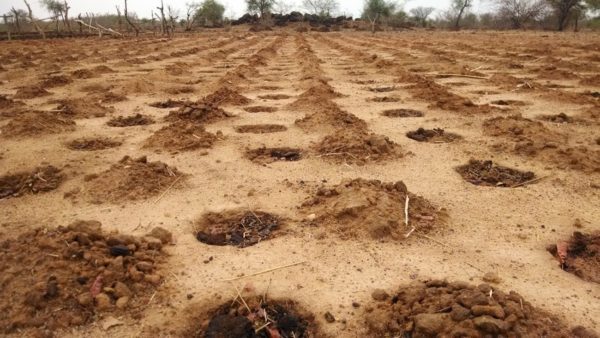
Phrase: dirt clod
(265, 155)
(237, 228)
(89, 144)
(357, 147)
(260, 128)
(181, 136)
(436, 135)
(82, 108)
(403, 113)
(41, 179)
(35, 124)
(487, 174)
(129, 121)
(198, 112)
(582, 256)
(31, 92)
(260, 109)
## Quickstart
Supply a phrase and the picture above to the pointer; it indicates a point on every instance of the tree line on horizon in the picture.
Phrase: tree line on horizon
(506, 14)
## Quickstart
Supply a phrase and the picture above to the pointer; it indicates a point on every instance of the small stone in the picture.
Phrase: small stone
(85, 299)
(490, 310)
(190, 296)
(492, 277)
(144, 266)
(490, 325)
(355, 304)
(153, 279)
(121, 290)
(119, 250)
(380, 295)
(122, 302)
(329, 317)
(164, 235)
(429, 324)
(103, 301)
(153, 242)
(311, 217)
(459, 313)
(135, 274)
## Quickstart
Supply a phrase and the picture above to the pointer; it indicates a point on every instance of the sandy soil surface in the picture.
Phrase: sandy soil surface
(261, 153)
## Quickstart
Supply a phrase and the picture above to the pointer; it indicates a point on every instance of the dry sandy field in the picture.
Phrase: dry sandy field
(286, 184)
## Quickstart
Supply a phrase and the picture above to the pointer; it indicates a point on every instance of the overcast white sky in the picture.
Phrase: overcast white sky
(234, 8)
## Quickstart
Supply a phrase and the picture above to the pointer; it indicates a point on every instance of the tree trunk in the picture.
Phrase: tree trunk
(137, 31)
(35, 24)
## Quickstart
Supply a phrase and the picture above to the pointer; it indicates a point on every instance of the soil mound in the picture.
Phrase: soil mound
(131, 179)
(135, 120)
(436, 135)
(247, 319)
(442, 309)
(56, 278)
(198, 112)
(357, 147)
(35, 124)
(335, 118)
(181, 136)
(580, 255)
(402, 113)
(109, 97)
(31, 92)
(260, 128)
(225, 95)
(40, 179)
(56, 81)
(10, 107)
(558, 118)
(487, 174)
(508, 103)
(83, 108)
(520, 128)
(593, 80)
(384, 99)
(274, 97)
(260, 109)
(360, 206)
(317, 96)
(90, 144)
(239, 228)
(168, 104)
(265, 155)
(427, 89)
(83, 74)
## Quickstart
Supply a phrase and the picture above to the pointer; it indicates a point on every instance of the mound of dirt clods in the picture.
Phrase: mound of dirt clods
(54, 279)
(436, 135)
(40, 179)
(441, 309)
(533, 139)
(56, 81)
(83, 108)
(93, 143)
(10, 107)
(181, 136)
(260, 128)
(487, 174)
(359, 206)
(170, 103)
(129, 121)
(31, 92)
(265, 155)
(579, 255)
(330, 118)
(241, 228)
(260, 109)
(357, 147)
(402, 113)
(256, 317)
(35, 124)
(225, 95)
(131, 179)
(198, 112)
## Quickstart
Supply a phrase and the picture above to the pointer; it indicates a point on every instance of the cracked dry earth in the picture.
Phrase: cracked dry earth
(323, 279)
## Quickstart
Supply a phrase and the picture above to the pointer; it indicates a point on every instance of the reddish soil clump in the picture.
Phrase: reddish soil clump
(402, 113)
(35, 124)
(269, 155)
(384, 99)
(129, 121)
(225, 95)
(274, 97)
(436, 135)
(83, 108)
(487, 174)
(41, 179)
(357, 147)
(247, 319)
(53, 279)
(181, 136)
(558, 118)
(31, 92)
(90, 144)
(441, 309)
(168, 104)
(56, 81)
(131, 179)
(260, 128)
(580, 255)
(360, 206)
(198, 112)
(239, 228)
(260, 109)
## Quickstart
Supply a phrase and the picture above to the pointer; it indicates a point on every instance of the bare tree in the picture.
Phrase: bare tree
(421, 13)
(564, 10)
(519, 12)
(163, 19)
(282, 6)
(33, 21)
(377, 9)
(459, 7)
(17, 14)
(135, 28)
(173, 14)
(191, 10)
(322, 8)
(261, 7)
(65, 15)
(119, 19)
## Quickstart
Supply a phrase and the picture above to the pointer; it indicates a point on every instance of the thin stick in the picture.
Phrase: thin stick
(262, 327)
(265, 271)
(529, 182)
(242, 298)
(167, 190)
(406, 210)
(462, 75)
(151, 298)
